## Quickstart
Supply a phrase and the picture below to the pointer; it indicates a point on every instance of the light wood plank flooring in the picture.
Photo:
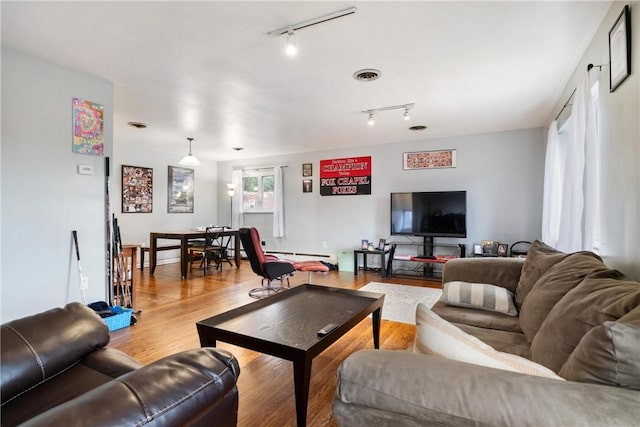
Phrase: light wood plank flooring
(171, 307)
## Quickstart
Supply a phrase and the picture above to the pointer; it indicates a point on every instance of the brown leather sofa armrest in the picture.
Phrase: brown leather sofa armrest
(111, 362)
(38, 347)
(503, 272)
(195, 387)
(414, 389)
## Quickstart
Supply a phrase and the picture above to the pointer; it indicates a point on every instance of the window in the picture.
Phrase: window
(257, 190)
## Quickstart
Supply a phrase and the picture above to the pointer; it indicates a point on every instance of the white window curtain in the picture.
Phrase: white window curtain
(278, 202)
(591, 239)
(552, 193)
(237, 211)
(563, 212)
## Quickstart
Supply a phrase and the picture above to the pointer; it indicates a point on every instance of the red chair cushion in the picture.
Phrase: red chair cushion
(310, 266)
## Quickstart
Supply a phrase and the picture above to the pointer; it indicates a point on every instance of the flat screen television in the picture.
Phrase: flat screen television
(431, 214)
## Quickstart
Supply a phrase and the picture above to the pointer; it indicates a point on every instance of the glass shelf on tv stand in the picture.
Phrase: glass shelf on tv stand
(425, 266)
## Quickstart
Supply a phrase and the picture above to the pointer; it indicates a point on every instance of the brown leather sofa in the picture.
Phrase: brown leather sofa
(56, 370)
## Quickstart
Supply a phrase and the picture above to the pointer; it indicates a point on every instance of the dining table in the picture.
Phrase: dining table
(185, 237)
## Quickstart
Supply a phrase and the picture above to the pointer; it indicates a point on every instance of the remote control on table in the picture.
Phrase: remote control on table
(324, 331)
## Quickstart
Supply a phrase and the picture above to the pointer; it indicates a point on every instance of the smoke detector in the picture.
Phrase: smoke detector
(367, 75)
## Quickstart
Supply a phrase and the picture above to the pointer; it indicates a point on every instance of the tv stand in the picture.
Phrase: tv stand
(425, 264)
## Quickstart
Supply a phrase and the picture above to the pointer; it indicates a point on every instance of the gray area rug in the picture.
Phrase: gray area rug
(400, 301)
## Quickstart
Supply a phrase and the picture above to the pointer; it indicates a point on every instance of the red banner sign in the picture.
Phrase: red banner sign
(345, 177)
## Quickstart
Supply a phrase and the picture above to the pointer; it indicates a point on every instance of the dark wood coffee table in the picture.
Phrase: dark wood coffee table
(286, 325)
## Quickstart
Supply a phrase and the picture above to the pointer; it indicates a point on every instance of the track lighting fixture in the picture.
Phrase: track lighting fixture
(291, 48)
(406, 114)
(189, 159)
(289, 30)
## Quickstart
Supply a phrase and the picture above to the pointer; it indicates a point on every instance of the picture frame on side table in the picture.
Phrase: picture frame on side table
(381, 244)
(620, 49)
(180, 186)
(477, 249)
(365, 244)
(489, 248)
(503, 248)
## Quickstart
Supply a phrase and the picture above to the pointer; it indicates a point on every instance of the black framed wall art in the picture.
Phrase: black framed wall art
(620, 49)
(137, 189)
(180, 186)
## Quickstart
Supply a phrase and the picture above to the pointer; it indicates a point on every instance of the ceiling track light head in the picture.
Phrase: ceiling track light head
(370, 120)
(291, 49)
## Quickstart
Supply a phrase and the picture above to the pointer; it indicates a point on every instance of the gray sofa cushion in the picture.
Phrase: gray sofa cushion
(540, 258)
(479, 296)
(500, 271)
(608, 354)
(603, 296)
(481, 318)
(505, 341)
(552, 286)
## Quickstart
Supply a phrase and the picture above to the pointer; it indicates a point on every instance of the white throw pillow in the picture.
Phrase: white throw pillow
(482, 296)
(437, 337)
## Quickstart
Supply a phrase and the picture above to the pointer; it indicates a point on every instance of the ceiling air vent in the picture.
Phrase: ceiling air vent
(417, 128)
(137, 125)
(366, 75)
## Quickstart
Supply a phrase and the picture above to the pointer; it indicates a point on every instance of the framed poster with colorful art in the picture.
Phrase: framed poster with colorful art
(429, 159)
(180, 190)
(88, 128)
(137, 189)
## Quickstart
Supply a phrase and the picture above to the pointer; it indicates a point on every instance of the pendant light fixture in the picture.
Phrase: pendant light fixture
(189, 159)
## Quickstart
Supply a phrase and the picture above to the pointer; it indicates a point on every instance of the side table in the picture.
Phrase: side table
(365, 253)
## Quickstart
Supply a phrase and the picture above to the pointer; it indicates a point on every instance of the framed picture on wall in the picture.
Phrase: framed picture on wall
(180, 190)
(307, 186)
(429, 159)
(620, 49)
(137, 189)
(307, 169)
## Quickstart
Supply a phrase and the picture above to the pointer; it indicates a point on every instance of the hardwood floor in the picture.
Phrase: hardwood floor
(171, 307)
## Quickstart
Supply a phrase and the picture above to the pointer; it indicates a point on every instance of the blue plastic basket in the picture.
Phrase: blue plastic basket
(119, 321)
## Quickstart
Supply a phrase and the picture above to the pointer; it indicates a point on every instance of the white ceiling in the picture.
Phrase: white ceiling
(208, 70)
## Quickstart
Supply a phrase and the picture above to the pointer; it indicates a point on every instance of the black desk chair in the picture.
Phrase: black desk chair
(214, 247)
(268, 267)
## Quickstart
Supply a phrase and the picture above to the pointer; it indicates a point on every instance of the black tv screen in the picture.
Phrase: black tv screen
(434, 214)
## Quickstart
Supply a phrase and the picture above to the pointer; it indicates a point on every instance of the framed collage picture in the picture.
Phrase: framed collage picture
(137, 189)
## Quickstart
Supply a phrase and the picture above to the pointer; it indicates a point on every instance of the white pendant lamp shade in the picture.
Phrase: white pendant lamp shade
(189, 159)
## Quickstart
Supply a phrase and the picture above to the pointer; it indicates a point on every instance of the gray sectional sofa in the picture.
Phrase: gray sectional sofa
(575, 316)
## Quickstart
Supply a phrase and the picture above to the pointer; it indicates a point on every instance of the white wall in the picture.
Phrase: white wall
(620, 141)
(501, 172)
(43, 196)
(135, 227)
